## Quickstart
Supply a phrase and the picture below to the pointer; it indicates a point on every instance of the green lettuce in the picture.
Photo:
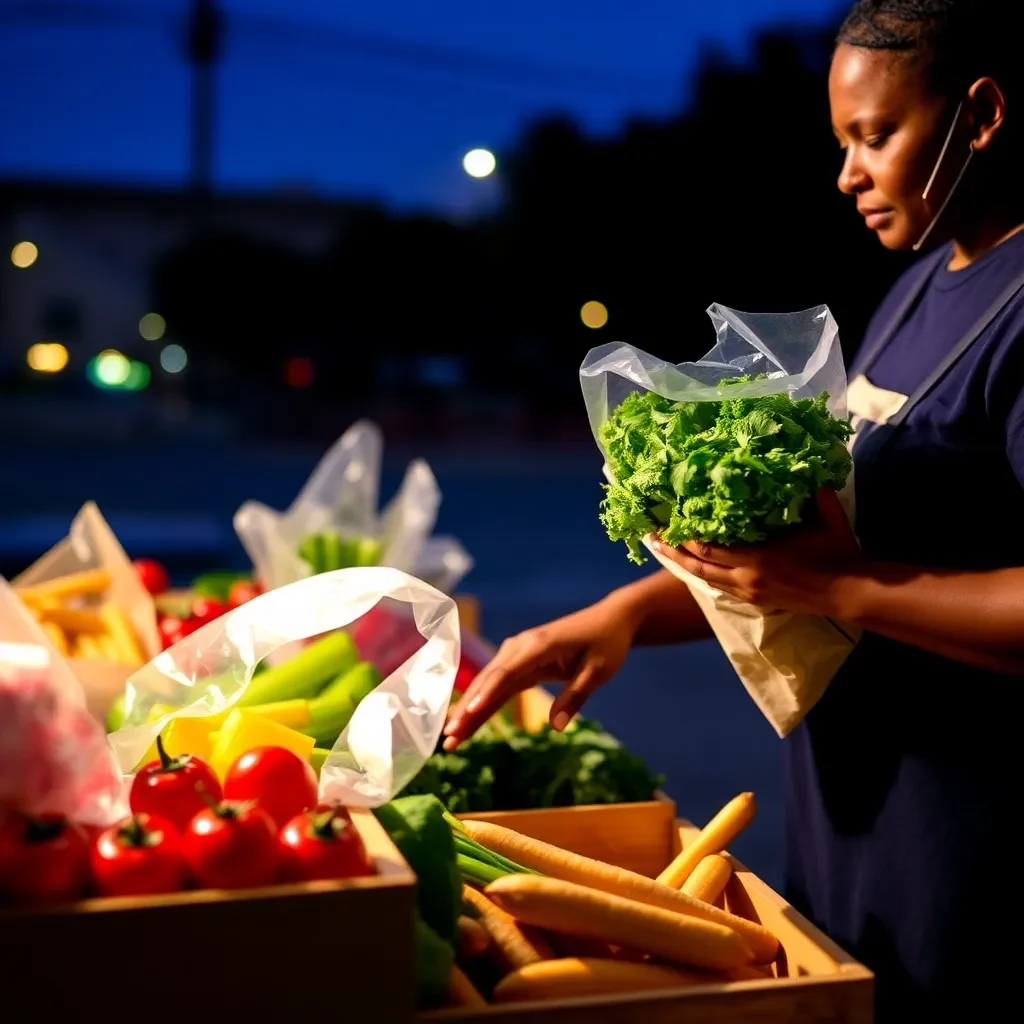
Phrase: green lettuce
(728, 472)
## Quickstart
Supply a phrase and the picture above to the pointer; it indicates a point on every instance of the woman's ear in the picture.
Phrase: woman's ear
(988, 112)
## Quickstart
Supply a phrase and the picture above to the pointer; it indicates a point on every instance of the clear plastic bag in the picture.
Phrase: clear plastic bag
(91, 544)
(342, 496)
(54, 757)
(394, 729)
(785, 661)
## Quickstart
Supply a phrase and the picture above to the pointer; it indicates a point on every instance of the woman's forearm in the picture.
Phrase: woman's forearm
(976, 618)
(663, 608)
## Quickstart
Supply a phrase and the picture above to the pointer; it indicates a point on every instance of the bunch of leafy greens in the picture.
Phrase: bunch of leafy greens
(505, 768)
(726, 472)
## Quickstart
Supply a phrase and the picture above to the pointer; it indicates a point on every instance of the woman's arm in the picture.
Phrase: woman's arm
(664, 609)
(977, 618)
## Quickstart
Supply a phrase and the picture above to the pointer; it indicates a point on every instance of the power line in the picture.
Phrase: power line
(423, 58)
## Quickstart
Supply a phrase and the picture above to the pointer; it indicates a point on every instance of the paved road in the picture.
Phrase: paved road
(530, 521)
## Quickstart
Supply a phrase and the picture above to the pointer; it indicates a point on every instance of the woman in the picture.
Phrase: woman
(900, 780)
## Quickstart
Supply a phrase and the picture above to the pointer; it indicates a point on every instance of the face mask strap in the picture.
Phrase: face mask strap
(935, 173)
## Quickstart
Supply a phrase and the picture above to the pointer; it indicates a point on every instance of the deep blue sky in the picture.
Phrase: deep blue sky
(303, 102)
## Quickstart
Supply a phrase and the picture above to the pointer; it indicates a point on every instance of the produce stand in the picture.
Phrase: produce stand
(623, 834)
(211, 955)
(815, 982)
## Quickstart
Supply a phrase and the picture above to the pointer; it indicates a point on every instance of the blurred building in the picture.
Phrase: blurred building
(85, 277)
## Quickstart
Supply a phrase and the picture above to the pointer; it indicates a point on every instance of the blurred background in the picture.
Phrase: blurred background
(229, 229)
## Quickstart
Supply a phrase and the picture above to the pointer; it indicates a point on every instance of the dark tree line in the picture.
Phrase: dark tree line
(732, 201)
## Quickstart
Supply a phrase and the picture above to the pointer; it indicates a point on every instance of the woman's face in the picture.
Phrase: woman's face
(891, 130)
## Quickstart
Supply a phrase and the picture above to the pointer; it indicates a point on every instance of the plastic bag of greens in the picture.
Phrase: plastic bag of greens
(391, 727)
(334, 523)
(737, 463)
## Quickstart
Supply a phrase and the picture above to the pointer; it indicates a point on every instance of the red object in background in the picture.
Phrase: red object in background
(476, 653)
(153, 576)
(298, 372)
(172, 629)
(206, 609)
(243, 591)
(44, 859)
(322, 844)
(276, 779)
(232, 846)
(388, 638)
(138, 857)
(176, 788)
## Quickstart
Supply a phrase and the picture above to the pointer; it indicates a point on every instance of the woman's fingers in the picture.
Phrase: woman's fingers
(568, 704)
(717, 576)
(512, 669)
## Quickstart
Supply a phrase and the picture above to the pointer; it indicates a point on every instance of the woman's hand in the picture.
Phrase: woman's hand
(800, 573)
(583, 650)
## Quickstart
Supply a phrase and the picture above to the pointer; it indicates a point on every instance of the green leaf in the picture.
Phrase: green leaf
(730, 471)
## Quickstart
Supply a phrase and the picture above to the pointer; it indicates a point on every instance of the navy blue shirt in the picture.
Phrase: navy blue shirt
(901, 778)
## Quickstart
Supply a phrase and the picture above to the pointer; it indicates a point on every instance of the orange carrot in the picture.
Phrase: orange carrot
(473, 939)
(577, 910)
(576, 977)
(709, 878)
(716, 835)
(570, 867)
(511, 946)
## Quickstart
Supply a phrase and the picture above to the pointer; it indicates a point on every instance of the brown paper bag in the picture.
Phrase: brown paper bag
(91, 544)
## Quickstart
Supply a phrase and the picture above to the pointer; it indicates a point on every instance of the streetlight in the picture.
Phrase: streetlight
(594, 314)
(479, 163)
(24, 254)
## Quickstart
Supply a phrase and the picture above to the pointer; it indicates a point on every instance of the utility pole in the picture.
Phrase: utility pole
(205, 39)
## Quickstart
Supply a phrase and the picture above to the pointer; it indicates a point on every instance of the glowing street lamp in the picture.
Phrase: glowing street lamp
(479, 163)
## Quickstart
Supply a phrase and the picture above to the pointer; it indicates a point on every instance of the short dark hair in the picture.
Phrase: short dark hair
(958, 41)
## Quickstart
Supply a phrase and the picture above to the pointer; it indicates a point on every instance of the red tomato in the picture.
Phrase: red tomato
(43, 859)
(322, 844)
(206, 609)
(175, 788)
(232, 846)
(172, 629)
(138, 857)
(276, 779)
(242, 591)
(152, 575)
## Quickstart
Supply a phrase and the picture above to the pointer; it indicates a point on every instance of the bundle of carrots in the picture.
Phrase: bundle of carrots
(550, 924)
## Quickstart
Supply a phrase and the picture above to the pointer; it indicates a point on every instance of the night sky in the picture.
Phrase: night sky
(374, 98)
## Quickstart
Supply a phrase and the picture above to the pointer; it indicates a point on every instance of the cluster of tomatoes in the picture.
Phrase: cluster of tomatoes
(264, 825)
(201, 610)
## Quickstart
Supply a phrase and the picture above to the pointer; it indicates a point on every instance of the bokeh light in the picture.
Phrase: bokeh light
(110, 369)
(152, 327)
(47, 357)
(173, 359)
(24, 254)
(298, 372)
(139, 376)
(594, 314)
(479, 163)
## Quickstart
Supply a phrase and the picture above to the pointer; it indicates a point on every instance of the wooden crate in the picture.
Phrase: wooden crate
(816, 982)
(614, 832)
(275, 953)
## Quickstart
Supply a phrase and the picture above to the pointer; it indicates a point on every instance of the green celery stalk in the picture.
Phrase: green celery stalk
(476, 871)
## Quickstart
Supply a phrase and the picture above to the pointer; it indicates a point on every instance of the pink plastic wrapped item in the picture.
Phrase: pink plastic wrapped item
(387, 635)
(54, 756)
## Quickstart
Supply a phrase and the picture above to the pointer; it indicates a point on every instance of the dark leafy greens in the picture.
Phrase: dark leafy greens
(726, 472)
(505, 768)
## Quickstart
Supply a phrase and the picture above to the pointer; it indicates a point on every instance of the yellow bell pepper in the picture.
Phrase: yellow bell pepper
(186, 736)
(244, 729)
